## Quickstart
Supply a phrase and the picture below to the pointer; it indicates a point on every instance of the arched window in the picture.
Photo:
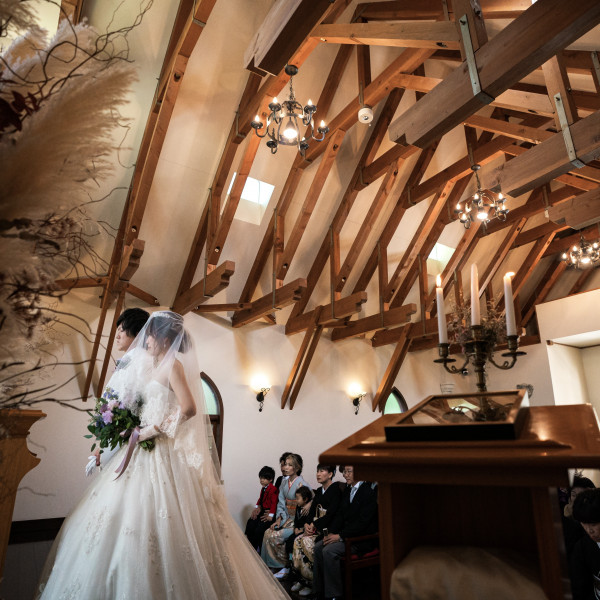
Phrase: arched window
(214, 408)
(395, 404)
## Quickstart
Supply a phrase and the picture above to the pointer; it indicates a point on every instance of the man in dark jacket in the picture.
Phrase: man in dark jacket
(357, 516)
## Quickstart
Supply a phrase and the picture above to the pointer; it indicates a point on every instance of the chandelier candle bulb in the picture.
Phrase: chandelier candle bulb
(441, 313)
(475, 308)
(511, 324)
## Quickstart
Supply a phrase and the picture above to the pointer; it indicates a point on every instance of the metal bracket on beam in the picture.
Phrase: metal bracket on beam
(566, 131)
(465, 33)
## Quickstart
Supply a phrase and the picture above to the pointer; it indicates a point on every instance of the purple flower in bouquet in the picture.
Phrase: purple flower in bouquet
(107, 417)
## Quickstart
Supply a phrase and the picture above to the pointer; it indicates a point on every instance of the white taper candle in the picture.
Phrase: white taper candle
(475, 309)
(441, 313)
(509, 304)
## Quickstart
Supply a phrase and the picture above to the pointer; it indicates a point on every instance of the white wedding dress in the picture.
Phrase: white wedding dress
(161, 531)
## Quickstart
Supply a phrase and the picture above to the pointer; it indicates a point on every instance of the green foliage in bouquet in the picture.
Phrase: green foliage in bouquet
(112, 423)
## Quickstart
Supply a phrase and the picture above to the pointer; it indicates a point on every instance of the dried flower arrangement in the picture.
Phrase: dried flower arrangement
(59, 114)
(493, 326)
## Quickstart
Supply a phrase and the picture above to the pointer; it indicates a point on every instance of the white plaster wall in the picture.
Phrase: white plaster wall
(591, 369)
(322, 416)
(568, 377)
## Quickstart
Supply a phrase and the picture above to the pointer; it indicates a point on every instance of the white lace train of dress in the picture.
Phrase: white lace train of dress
(158, 532)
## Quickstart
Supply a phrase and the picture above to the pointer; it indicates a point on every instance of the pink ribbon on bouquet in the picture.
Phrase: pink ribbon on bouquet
(133, 438)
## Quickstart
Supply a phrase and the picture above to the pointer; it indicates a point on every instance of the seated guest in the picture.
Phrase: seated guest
(572, 530)
(304, 498)
(324, 507)
(584, 562)
(264, 511)
(273, 548)
(282, 459)
(357, 516)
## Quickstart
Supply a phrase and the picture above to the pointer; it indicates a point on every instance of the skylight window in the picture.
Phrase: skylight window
(254, 201)
(438, 259)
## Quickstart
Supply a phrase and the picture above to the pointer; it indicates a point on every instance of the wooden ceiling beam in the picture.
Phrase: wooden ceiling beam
(302, 362)
(287, 24)
(387, 318)
(581, 281)
(535, 233)
(379, 166)
(309, 204)
(397, 10)
(544, 29)
(343, 210)
(367, 226)
(547, 160)
(544, 287)
(227, 158)
(557, 82)
(517, 131)
(400, 34)
(579, 212)
(330, 316)
(224, 224)
(423, 232)
(393, 368)
(380, 87)
(527, 267)
(590, 234)
(279, 298)
(206, 288)
(291, 184)
(174, 68)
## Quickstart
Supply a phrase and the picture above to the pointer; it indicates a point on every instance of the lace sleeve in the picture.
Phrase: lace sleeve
(168, 426)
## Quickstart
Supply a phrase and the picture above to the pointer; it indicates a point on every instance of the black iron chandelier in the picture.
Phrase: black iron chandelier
(584, 256)
(285, 119)
(483, 205)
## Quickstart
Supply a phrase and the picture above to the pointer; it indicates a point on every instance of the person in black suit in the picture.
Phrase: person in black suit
(584, 562)
(357, 516)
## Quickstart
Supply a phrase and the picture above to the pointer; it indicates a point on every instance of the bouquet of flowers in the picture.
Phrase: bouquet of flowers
(112, 423)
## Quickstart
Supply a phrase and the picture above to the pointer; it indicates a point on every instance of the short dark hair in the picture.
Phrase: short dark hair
(586, 508)
(330, 468)
(132, 320)
(582, 482)
(305, 493)
(283, 457)
(267, 473)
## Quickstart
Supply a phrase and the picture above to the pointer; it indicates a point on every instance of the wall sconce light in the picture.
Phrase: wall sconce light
(356, 394)
(260, 397)
(260, 384)
(356, 402)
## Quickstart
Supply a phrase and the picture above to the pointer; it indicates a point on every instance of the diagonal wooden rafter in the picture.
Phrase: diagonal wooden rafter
(580, 212)
(350, 195)
(303, 359)
(385, 387)
(545, 28)
(544, 287)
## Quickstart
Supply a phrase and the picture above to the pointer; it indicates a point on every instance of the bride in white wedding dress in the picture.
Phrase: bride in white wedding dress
(162, 530)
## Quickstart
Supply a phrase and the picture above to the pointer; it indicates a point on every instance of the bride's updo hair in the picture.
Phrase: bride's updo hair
(168, 326)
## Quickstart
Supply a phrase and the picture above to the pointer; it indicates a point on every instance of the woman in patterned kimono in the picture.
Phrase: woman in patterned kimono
(325, 504)
(273, 548)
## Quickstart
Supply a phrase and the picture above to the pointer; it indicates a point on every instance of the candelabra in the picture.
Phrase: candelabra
(479, 350)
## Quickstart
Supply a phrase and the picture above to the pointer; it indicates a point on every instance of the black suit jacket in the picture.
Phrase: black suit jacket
(584, 562)
(358, 517)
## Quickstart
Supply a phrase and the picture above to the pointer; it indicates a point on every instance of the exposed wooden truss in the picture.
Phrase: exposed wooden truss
(521, 131)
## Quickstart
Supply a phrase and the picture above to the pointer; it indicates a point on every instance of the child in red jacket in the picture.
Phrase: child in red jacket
(265, 509)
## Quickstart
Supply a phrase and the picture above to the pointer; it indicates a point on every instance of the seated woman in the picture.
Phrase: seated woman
(273, 548)
(324, 507)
